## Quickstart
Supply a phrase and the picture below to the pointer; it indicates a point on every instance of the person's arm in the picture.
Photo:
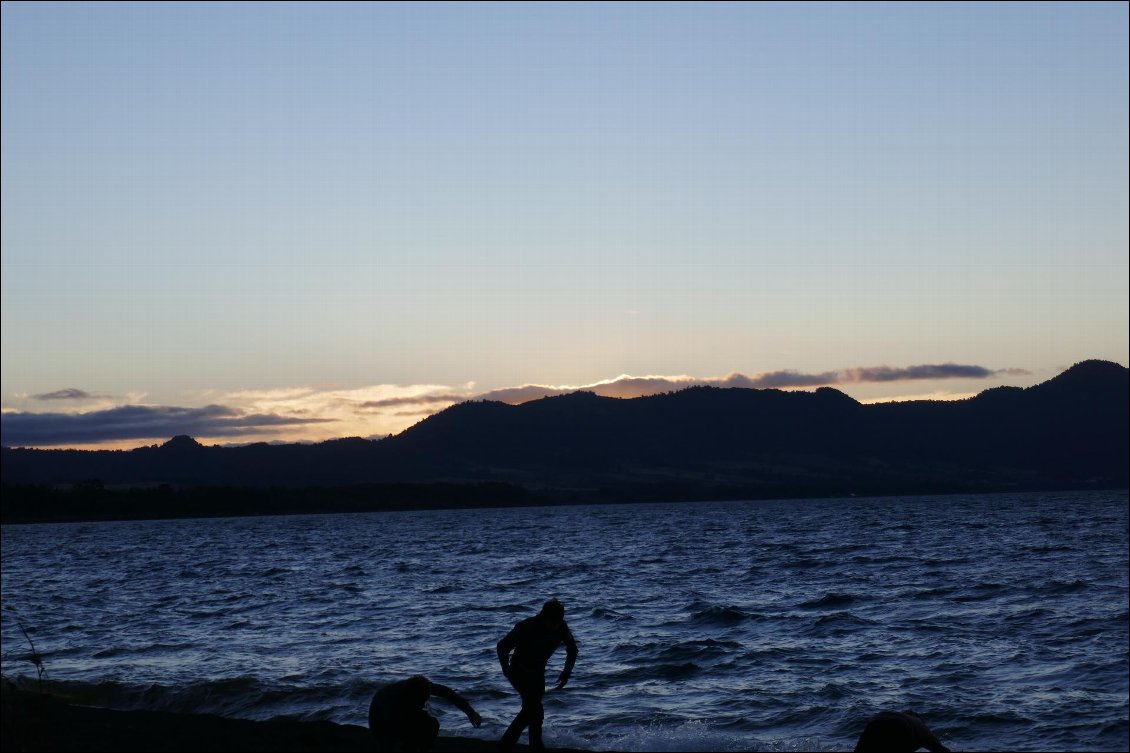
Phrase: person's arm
(570, 656)
(924, 737)
(458, 701)
(927, 740)
(505, 646)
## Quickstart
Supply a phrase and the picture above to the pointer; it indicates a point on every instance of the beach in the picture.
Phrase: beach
(32, 722)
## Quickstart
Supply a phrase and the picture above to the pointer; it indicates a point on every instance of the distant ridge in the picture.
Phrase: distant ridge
(1068, 432)
(182, 442)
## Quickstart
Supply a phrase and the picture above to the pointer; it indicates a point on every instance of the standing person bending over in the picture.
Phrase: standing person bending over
(533, 641)
(397, 717)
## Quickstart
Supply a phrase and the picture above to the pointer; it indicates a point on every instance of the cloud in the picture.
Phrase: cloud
(139, 422)
(526, 393)
(314, 414)
(627, 386)
(370, 410)
(393, 402)
(779, 379)
(925, 371)
(68, 394)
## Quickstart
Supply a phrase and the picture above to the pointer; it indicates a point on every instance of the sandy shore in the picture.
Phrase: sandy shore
(36, 723)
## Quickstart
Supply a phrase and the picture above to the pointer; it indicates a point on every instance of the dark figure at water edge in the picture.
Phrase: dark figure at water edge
(397, 717)
(897, 732)
(533, 641)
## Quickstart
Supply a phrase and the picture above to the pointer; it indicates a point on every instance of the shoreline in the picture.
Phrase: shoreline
(31, 722)
(34, 505)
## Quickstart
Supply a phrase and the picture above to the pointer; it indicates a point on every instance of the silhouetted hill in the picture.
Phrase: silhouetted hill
(701, 442)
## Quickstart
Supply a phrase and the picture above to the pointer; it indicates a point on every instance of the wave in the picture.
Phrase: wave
(193, 698)
(839, 622)
(933, 624)
(601, 613)
(445, 588)
(237, 697)
(834, 691)
(982, 592)
(1049, 548)
(719, 615)
(664, 671)
(842, 619)
(932, 592)
(959, 560)
(807, 563)
(348, 587)
(508, 608)
(659, 735)
(503, 585)
(666, 652)
(704, 612)
(1034, 613)
(698, 649)
(998, 719)
(106, 653)
(1061, 586)
(829, 600)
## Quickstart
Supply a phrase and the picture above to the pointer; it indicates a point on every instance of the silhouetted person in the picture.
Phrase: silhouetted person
(897, 732)
(533, 641)
(397, 717)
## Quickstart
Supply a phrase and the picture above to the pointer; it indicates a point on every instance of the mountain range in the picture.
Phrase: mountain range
(698, 443)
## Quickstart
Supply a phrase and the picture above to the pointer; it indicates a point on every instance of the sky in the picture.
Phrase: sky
(293, 222)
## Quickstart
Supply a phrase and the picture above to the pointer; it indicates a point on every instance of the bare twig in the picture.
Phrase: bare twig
(34, 657)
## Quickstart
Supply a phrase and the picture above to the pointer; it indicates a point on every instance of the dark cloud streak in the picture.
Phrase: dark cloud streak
(924, 371)
(787, 378)
(70, 393)
(137, 422)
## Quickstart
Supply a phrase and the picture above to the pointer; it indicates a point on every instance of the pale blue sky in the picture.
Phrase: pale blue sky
(200, 199)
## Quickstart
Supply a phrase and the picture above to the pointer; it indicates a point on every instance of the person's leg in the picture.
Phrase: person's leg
(514, 731)
(420, 732)
(523, 682)
(386, 731)
(387, 739)
(535, 712)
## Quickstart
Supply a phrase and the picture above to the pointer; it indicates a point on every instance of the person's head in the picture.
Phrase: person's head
(552, 613)
(419, 688)
(888, 732)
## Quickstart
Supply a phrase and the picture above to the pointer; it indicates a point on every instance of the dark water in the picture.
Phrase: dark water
(763, 625)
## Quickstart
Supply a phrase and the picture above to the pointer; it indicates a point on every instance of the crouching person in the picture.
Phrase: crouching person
(399, 721)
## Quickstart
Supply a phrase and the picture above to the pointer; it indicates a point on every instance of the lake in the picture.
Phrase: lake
(770, 625)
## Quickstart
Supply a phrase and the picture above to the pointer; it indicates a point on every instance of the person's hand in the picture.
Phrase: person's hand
(561, 681)
(476, 720)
